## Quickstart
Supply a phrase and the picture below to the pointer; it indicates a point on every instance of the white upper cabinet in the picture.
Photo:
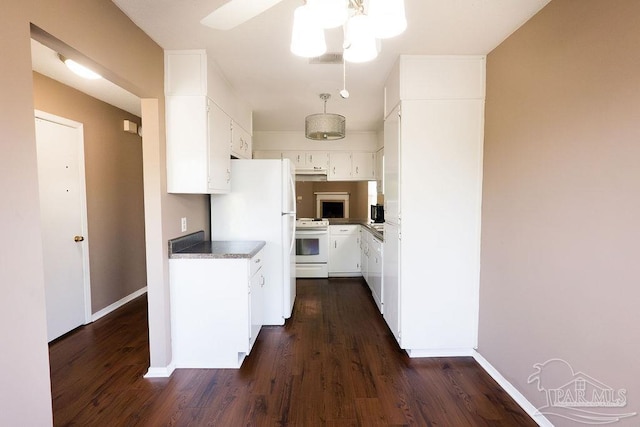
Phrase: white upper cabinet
(200, 111)
(219, 150)
(198, 146)
(185, 72)
(339, 166)
(351, 166)
(363, 166)
(298, 158)
(317, 160)
(434, 77)
(240, 142)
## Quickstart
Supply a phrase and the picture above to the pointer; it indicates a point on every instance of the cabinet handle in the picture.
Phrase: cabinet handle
(334, 170)
(257, 260)
(298, 157)
(262, 281)
(311, 158)
(228, 176)
(335, 244)
(357, 170)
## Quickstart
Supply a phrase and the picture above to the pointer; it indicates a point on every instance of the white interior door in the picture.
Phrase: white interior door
(60, 148)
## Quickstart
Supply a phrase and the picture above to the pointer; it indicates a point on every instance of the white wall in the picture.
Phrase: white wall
(353, 141)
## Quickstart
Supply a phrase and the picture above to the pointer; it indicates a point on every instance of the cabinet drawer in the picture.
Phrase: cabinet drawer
(343, 229)
(256, 263)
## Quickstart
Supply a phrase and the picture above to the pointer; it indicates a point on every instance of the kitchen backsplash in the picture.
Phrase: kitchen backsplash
(306, 200)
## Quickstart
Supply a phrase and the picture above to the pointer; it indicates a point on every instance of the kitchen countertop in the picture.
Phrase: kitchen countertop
(378, 234)
(193, 246)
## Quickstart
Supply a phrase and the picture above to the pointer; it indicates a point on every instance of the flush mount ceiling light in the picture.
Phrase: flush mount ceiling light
(323, 126)
(78, 69)
(362, 28)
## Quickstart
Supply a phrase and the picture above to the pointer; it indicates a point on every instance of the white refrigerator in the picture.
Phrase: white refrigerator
(262, 206)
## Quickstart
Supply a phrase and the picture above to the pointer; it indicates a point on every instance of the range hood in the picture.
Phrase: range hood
(313, 174)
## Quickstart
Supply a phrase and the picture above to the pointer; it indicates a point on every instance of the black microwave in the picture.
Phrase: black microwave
(377, 213)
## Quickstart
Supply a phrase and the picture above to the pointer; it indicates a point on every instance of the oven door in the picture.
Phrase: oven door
(312, 246)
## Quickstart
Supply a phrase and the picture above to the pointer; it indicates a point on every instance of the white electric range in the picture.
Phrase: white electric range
(312, 247)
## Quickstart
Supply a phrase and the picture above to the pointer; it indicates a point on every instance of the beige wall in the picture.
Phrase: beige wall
(123, 53)
(358, 193)
(115, 205)
(561, 208)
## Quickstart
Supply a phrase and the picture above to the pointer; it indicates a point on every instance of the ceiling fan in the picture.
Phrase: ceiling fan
(236, 12)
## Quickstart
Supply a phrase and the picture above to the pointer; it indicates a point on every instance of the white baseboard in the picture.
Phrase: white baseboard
(448, 352)
(527, 406)
(160, 372)
(108, 309)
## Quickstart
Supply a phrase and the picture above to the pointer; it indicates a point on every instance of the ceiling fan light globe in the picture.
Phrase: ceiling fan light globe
(362, 42)
(388, 18)
(329, 13)
(307, 38)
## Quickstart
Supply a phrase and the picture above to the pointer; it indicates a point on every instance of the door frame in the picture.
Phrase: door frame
(86, 277)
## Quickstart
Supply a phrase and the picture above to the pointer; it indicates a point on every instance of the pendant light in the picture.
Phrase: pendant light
(323, 126)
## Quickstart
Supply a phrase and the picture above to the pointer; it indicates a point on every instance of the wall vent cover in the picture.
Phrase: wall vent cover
(327, 58)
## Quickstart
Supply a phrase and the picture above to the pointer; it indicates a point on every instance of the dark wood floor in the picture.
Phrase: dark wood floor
(335, 363)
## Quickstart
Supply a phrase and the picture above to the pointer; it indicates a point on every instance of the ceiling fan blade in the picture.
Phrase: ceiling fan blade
(236, 12)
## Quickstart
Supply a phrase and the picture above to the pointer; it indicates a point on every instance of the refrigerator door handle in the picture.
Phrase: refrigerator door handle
(293, 236)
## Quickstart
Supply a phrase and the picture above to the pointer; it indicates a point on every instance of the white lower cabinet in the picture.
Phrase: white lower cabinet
(344, 251)
(364, 254)
(216, 307)
(374, 270)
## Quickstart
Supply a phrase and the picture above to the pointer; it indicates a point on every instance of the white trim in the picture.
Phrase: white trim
(86, 273)
(108, 309)
(160, 372)
(527, 406)
(331, 196)
(447, 352)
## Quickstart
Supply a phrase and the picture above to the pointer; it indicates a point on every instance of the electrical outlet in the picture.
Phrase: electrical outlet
(183, 224)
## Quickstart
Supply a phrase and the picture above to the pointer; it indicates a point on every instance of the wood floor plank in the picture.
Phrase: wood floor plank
(334, 363)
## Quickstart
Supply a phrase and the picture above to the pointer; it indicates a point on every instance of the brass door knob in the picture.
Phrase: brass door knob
(78, 238)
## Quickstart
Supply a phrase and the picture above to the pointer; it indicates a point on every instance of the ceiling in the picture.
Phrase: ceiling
(46, 61)
(282, 89)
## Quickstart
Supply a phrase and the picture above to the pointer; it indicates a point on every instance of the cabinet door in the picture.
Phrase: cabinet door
(391, 290)
(344, 249)
(380, 170)
(363, 166)
(340, 166)
(187, 144)
(364, 259)
(375, 271)
(317, 160)
(298, 158)
(219, 149)
(255, 307)
(240, 142)
(392, 167)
